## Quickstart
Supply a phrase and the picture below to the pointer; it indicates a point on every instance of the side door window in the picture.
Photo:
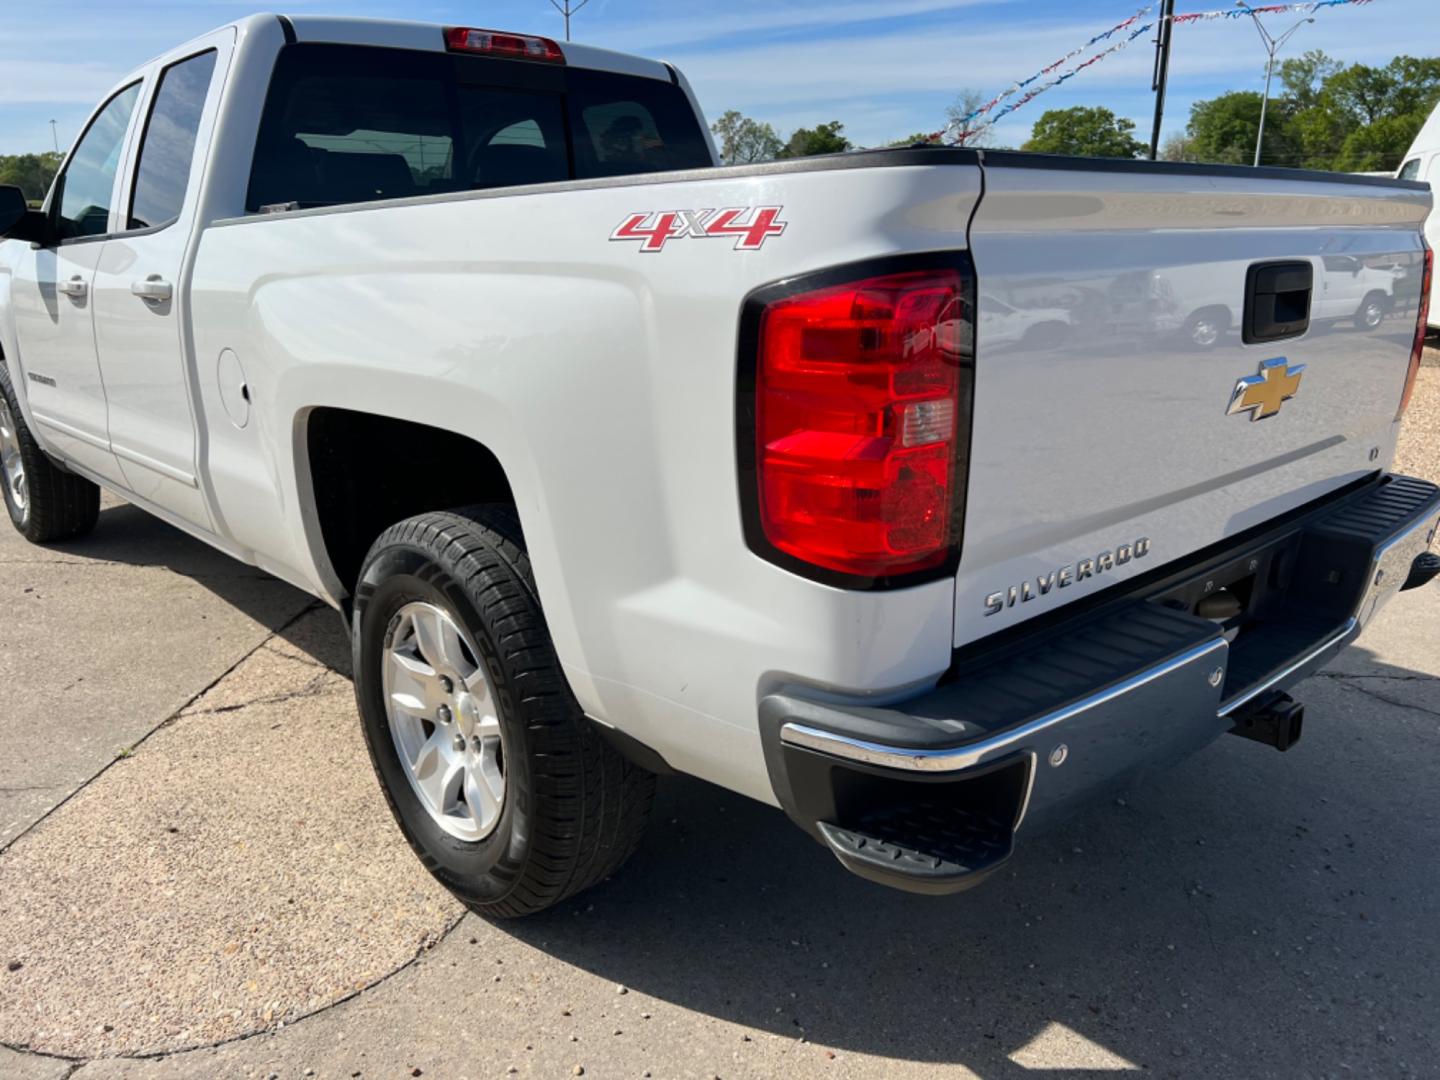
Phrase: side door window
(1410, 170)
(138, 292)
(167, 149)
(88, 183)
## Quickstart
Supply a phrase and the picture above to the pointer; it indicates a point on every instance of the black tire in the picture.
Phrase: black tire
(1205, 328)
(574, 809)
(1372, 311)
(1042, 337)
(58, 505)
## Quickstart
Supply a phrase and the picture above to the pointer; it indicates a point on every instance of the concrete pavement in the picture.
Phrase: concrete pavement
(1248, 914)
(103, 638)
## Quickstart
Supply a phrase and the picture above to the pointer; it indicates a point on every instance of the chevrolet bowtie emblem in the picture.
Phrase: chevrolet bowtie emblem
(1263, 394)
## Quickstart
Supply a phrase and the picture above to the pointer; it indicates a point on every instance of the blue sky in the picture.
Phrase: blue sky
(886, 69)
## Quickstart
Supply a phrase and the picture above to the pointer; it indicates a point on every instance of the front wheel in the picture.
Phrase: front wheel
(45, 502)
(502, 786)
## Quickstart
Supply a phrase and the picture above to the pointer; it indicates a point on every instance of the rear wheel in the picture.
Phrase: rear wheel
(1372, 311)
(1204, 329)
(45, 502)
(502, 786)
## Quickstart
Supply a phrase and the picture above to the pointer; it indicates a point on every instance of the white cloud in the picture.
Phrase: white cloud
(76, 82)
(825, 18)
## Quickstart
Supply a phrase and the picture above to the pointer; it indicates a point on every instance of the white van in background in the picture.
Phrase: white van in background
(1422, 162)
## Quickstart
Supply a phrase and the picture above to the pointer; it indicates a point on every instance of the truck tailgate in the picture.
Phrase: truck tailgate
(1108, 357)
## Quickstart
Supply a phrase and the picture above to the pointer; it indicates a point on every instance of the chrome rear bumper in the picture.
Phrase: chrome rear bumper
(1077, 707)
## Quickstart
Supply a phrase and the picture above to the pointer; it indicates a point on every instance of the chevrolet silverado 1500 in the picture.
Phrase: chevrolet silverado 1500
(898, 489)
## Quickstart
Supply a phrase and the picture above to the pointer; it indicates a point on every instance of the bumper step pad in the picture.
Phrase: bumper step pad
(922, 847)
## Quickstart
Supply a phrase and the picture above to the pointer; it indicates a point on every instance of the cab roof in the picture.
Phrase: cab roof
(430, 37)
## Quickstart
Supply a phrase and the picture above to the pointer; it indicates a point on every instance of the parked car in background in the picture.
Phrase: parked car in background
(1031, 327)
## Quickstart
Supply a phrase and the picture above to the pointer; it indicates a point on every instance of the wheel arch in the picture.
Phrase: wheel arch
(360, 472)
(1386, 299)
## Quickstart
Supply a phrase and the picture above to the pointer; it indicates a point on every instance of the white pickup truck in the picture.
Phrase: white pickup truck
(618, 462)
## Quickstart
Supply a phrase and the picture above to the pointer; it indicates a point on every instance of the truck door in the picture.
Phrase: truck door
(52, 295)
(140, 304)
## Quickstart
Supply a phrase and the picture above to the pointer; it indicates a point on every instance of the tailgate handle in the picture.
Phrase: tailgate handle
(1277, 300)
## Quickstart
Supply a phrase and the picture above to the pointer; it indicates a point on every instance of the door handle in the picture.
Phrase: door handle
(74, 287)
(154, 289)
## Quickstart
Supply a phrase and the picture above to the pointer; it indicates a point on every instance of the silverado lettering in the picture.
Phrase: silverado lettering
(1065, 576)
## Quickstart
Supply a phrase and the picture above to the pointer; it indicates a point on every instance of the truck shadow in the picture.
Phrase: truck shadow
(1255, 912)
(130, 536)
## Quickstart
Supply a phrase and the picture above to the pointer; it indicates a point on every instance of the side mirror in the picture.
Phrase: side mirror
(17, 220)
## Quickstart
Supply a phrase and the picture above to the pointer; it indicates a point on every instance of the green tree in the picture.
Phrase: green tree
(1371, 115)
(821, 139)
(1224, 128)
(924, 137)
(1378, 147)
(1303, 77)
(1324, 115)
(1084, 131)
(31, 173)
(743, 140)
(1405, 85)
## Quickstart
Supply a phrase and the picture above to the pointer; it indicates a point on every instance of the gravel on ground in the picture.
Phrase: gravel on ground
(1419, 450)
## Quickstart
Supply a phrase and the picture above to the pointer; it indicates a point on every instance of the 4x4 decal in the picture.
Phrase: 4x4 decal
(751, 226)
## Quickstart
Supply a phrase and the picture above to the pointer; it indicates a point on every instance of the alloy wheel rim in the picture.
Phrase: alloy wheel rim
(444, 720)
(12, 465)
(1205, 332)
(1373, 315)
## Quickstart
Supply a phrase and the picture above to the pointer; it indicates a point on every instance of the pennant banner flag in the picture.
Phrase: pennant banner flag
(960, 129)
(1266, 9)
(966, 134)
(961, 123)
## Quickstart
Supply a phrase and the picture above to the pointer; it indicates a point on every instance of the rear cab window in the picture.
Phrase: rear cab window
(167, 150)
(348, 124)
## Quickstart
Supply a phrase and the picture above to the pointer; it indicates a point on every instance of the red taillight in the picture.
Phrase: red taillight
(499, 43)
(858, 389)
(1418, 349)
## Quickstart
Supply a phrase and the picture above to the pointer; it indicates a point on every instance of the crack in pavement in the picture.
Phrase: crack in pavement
(427, 946)
(1394, 701)
(28, 1051)
(319, 681)
(308, 661)
(314, 688)
(314, 605)
(1340, 675)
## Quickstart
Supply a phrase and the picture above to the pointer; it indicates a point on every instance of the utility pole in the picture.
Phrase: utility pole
(54, 136)
(1272, 46)
(567, 10)
(1162, 72)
